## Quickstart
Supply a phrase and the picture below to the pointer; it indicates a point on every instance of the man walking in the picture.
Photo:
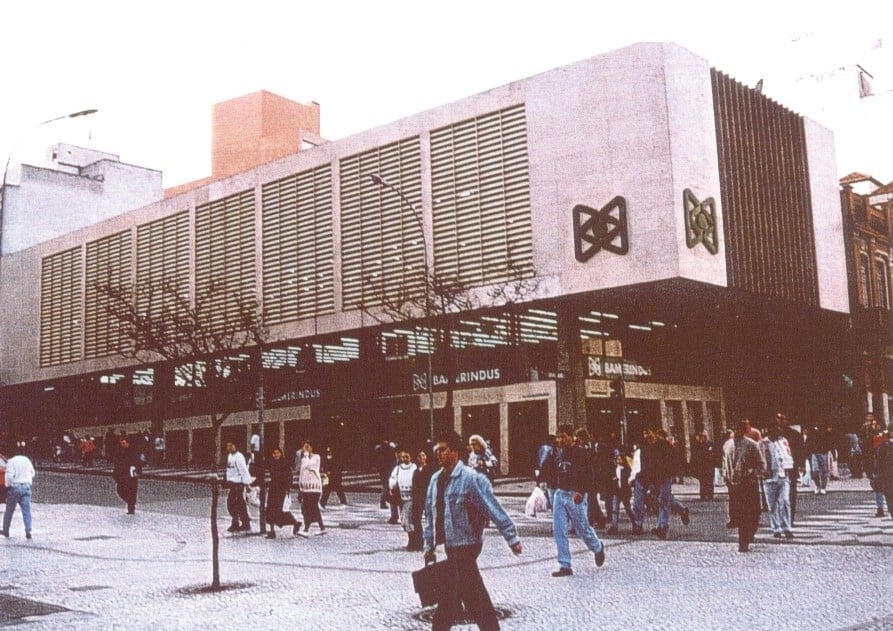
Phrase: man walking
(570, 469)
(457, 504)
(237, 479)
(126, 473)
(743, 465)
(19, 476)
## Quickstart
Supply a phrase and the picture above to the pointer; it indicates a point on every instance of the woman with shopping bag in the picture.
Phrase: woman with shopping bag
(280, 486)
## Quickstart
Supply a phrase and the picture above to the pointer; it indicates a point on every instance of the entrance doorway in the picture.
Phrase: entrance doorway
(528, 429)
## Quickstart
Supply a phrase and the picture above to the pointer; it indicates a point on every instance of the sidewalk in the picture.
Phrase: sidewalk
(108, 570)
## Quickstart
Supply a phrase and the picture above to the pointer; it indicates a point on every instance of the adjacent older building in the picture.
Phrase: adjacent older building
(867, 207)
(637, 224)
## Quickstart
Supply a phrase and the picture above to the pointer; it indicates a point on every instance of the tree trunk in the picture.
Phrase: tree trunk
(215, 539)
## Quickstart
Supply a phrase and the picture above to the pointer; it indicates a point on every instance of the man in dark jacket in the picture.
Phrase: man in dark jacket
(569, 468)
(654, 474)
(126, 473)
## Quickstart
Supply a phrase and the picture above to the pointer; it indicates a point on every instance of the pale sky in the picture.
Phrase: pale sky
(154, 69)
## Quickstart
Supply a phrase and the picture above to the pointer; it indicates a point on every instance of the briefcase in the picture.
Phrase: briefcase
(429, 582)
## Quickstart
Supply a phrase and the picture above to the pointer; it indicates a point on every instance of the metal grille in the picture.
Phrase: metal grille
(224, 257)
(383, 246)
(764, 181)
(481, 192)
(61, 295)
(162, 257)
(297, 246)
(109, 262)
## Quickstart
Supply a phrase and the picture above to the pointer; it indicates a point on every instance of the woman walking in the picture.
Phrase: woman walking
(309, 486)
(280, 485)
(332, 467)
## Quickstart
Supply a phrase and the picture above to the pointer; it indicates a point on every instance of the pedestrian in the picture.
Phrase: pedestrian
(541, 454)
(238, 479)
(884, 469)
(570, 469)
(19, 477)
(280, 485)
(309, 486)
(798, 455)
(333, 468)
(819, 446)
(457, 498)
(622, 492)
(594, 514)
(420, 480)
(254, 449)
(702, 458)
(652, 470)
(779, 460)
(401, 487)
(3, 460)
(874, 472)
(385, 460)
(481, 458)
(742, 466)
(126, 472)
(158, 449)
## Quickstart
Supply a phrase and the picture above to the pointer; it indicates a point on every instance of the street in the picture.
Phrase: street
(92, 566)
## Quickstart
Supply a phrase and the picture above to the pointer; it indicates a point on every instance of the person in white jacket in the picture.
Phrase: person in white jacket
(401, 484)
(777, 454)
(307, 464)
(237, 480)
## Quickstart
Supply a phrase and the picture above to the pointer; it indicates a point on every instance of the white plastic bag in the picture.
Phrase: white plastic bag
(252, 496)
(286, 503)
(536, 502)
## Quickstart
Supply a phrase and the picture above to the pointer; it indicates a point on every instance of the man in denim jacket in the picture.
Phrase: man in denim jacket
(457, 505)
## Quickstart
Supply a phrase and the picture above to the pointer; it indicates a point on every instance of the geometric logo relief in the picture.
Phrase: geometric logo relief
(596, 230)
(700, 222)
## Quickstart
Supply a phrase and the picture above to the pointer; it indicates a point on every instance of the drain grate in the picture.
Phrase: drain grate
(88, 588)
(427, 615)
(14, 608)
(96, 538)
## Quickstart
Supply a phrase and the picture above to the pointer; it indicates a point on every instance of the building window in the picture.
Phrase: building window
(864, 280)
(298, 246)
(882, 281)
(481, 199)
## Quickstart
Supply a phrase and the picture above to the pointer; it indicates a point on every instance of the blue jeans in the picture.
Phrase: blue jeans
(663, 503)
(18, 494)
(564, 510)
(779, 500)
(820, 470)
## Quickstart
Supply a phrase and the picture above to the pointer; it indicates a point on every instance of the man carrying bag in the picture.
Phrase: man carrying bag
(458, 503)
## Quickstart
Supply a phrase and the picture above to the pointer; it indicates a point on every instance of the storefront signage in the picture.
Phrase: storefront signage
(602, 367)
(463, 378)
(298, 395)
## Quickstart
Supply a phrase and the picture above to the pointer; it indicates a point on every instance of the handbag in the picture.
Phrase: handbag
(429, 582)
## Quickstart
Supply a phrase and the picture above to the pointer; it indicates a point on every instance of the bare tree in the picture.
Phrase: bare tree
(209, 341)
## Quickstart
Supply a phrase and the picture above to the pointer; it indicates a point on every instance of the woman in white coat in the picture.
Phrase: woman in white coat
(309, 486)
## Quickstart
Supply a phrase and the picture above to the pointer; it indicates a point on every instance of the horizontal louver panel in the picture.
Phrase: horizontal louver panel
(162, 259)
(298, 246)
(109, 263)
(383, 248)
(481, 192)
(224, 257)
(61, 297)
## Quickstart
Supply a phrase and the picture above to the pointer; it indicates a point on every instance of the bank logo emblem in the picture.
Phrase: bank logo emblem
(596, 230)
(700, 222)
(419, 382)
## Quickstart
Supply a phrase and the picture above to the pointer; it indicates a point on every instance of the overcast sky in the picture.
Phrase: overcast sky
(154, 69)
